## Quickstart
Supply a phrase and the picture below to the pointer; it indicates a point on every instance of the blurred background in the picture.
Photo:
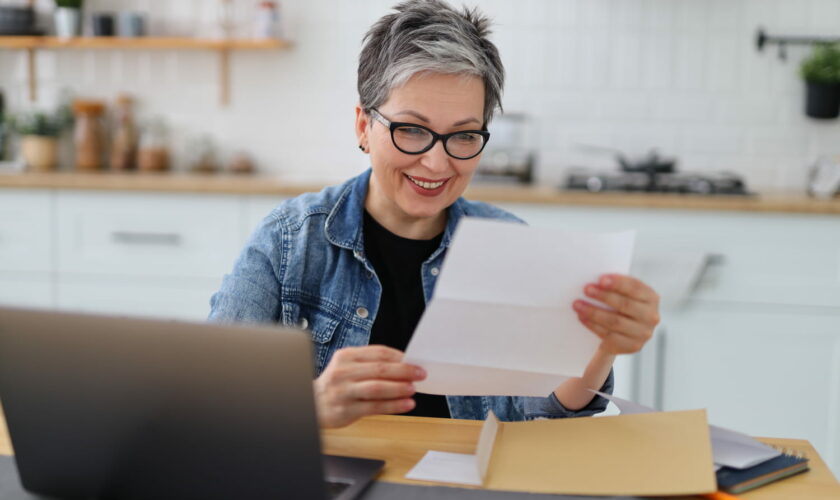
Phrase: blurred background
(144, 139)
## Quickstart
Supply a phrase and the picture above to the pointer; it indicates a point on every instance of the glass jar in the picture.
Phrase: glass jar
(153, 155)
(87, 135)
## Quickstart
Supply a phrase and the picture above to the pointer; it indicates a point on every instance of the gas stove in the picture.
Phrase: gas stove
(707, 183)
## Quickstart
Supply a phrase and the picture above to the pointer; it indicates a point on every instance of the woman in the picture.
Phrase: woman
(355, 264)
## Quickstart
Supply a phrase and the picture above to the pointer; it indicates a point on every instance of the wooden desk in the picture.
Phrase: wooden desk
(402, 441)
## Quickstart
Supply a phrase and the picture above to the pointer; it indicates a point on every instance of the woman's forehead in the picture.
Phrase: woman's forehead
(440, 97)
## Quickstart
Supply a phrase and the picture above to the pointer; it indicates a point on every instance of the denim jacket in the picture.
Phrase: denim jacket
(305, 266)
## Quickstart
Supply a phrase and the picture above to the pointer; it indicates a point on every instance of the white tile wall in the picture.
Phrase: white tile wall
(680, 75)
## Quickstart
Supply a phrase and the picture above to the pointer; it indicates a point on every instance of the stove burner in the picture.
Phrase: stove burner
(712, 183)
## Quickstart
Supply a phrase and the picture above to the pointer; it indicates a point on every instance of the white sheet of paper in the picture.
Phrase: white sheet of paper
(729, 448)
(501, 321)
(446, 467)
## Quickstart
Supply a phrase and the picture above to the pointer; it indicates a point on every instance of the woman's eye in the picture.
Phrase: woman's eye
(467, 138)
(412, 131)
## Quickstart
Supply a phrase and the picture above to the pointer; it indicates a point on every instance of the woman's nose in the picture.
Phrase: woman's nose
(436, 158)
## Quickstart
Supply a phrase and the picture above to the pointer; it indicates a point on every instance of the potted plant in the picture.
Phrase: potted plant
(39, 133)
(68, 18)
(821, 72)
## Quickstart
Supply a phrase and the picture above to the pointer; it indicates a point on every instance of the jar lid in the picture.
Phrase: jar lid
(88, 107)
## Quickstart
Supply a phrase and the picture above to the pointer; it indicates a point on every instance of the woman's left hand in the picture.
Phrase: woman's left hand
(627, 328)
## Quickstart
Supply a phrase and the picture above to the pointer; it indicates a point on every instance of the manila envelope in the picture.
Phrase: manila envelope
(666, 453)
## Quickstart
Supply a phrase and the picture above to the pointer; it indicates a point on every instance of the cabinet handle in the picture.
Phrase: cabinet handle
(711, 260)
(136, 238)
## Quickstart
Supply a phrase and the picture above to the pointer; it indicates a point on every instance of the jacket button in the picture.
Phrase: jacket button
(435, 271)
(362, 312)
(304, 323)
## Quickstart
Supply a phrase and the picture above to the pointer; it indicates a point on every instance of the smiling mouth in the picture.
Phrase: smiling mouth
(430, 185)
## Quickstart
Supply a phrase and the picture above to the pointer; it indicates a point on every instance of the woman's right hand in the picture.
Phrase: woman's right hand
(361, 381)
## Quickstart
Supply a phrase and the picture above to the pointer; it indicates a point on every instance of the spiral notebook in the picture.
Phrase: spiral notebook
(736, 481)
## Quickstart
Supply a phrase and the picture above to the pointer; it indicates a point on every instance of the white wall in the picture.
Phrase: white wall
(681, 75)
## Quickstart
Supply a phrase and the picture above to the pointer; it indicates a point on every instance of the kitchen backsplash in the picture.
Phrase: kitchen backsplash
(683, 76)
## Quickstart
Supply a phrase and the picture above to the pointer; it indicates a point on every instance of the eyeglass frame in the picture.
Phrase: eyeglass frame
(435, 136)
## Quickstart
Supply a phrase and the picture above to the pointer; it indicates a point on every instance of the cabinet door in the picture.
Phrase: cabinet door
(149, 234)
(767, 372)
(25, 231)
(26, 290)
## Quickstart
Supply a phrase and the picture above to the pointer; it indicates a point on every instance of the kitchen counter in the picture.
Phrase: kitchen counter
(276, 185)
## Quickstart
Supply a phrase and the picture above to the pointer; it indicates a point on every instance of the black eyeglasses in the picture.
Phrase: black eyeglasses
(414, 139)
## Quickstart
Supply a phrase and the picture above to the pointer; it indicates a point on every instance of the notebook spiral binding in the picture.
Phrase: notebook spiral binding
(791, 452)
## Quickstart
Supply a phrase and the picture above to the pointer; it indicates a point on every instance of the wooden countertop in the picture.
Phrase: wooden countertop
(276, 185)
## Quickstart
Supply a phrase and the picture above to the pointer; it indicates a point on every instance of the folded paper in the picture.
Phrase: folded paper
(501, 321)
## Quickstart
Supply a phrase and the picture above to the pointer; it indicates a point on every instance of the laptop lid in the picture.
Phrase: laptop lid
(112, 407)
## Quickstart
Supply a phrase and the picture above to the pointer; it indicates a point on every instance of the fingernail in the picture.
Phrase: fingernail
(579, 306)
(606, 281)
(408, 404)
(420, 373)
(591, 290)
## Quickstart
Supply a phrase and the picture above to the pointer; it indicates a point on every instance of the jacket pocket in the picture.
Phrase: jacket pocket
(320, 324)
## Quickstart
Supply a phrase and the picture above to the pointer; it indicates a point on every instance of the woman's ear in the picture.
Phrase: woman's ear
(362, 127)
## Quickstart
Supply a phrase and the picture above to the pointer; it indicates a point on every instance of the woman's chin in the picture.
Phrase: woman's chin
(428, 211)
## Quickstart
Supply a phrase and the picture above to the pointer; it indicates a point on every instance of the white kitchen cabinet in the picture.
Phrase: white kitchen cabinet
(147, 234)
(28, 290)
(26, 231)
(26, 248)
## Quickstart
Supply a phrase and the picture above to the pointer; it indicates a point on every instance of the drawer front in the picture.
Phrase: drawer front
(147, 234)
(169, 299)
(25, 230)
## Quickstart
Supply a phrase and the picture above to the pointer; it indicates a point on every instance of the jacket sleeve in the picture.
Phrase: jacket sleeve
(251, 292)
(550, 407)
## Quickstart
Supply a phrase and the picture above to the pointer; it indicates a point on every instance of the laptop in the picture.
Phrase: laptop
(108, 407)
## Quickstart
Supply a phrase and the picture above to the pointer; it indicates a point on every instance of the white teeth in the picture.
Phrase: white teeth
(426, 185)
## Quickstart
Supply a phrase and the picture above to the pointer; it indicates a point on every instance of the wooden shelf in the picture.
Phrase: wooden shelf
(222, 46)
(142, 43)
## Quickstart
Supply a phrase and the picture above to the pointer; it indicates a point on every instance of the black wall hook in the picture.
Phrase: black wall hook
(762, 38)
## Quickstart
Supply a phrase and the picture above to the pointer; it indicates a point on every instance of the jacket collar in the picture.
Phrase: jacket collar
(344, 223)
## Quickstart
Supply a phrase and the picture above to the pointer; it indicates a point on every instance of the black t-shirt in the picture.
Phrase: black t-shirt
(397, 262)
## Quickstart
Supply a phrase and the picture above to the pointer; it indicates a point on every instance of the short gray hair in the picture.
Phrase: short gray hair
(429, 36)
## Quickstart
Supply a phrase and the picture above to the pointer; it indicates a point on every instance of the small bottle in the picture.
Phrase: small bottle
(88, 134)
(267, 25)
(124, 148)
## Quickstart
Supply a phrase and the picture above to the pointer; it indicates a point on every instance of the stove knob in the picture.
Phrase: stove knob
(594, 184)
